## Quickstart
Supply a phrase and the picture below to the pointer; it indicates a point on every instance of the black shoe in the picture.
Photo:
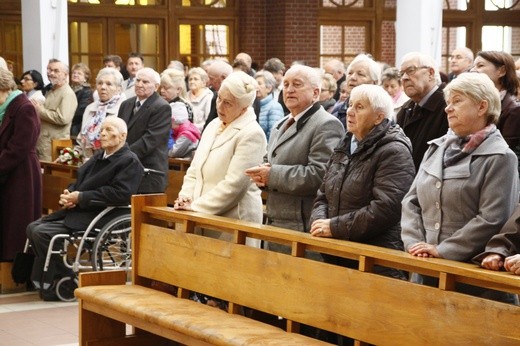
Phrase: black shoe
(49, 295)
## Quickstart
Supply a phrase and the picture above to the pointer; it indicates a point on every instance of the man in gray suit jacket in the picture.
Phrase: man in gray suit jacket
(148, 117)
(298, 151)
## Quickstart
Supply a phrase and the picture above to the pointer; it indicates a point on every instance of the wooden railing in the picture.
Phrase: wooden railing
(56, 177)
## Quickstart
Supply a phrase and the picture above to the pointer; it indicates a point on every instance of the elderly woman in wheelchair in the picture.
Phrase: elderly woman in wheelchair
(109, 178)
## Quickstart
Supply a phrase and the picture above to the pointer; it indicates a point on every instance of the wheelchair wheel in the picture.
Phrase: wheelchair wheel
(112, 246)
(65, 289)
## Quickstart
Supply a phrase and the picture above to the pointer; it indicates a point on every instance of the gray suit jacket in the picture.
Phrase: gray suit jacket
(148, 134)
(298, 159)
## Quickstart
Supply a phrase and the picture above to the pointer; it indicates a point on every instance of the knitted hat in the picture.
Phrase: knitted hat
(179, 113)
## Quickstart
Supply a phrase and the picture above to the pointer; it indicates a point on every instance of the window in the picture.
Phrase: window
(200, 42)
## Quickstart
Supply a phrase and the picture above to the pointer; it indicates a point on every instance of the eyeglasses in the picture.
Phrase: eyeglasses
(410, 71)
(456, 57)
(27, 79)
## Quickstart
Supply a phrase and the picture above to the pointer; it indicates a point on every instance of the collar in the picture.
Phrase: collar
(142, 101)
(299, 115)
(430, 93)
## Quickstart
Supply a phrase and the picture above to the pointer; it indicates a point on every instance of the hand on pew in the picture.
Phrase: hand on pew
(493, 261)
(423, 249)
(321, 228)
(182, 203)
(512, 264)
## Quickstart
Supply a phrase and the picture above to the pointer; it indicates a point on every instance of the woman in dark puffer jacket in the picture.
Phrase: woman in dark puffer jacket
(367, 177)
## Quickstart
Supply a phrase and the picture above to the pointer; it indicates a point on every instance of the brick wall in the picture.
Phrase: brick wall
(267, 32)
(388, 43)
(252, 29)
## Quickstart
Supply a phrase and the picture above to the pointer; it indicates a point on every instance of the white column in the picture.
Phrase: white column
(45, 33)
(418, 28)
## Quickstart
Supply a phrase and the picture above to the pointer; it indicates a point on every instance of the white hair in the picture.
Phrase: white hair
(312, 74)
(378, 98)
(424, 60)
(150, 72)
(374, 69)
(118, 77)
(242, 86)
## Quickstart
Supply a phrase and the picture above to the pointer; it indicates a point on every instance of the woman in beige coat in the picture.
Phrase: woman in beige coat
(215, 183)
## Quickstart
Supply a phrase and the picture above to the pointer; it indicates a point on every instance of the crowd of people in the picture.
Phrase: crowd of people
(405, 157)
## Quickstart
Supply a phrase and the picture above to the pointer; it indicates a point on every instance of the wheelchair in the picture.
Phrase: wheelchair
(99, 247)
(106, 247)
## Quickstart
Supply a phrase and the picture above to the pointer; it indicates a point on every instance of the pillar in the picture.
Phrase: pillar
(45, 33)
(418, 28)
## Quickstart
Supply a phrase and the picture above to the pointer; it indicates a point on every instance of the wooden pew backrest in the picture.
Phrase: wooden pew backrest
(356, 303)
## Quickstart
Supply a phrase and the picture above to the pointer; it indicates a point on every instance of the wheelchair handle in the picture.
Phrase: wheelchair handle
(148, 171)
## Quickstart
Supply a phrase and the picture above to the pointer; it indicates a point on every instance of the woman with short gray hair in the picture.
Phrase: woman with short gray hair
(109, 83)
(270, 110)
(367, 176)
(467, 184)
(199, 96)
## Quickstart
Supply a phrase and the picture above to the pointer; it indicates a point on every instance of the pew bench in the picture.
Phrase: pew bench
(55, 178)
(176, 170)
(352, 302)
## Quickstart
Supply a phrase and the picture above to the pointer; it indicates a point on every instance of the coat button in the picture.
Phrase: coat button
(438, 184)
(437, 205)
(437, 226)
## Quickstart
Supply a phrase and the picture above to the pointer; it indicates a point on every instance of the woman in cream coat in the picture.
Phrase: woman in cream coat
(215, 183)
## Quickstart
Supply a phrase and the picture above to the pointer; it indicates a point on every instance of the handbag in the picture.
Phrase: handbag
(22, 265)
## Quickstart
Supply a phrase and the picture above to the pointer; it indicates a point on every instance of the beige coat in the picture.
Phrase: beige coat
(56, 116)
(216, 180)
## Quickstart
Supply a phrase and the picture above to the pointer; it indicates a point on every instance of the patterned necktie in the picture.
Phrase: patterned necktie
(137, 106)
(288, 124)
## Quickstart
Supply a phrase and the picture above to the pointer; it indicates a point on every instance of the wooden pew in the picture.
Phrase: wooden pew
(356, 303)
(177, 170)
(57, 144)
(55, 178)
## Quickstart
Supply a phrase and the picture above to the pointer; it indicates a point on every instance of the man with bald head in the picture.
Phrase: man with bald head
(217, 71)
(57, 111)
(423, 117)
(109, 178)
(148, 117)
(299, 148)
(337, 69)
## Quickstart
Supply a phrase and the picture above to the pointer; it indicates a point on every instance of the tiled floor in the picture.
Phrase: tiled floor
(25, 320)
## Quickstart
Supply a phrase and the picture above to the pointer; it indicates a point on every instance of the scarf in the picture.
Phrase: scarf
(91, 132)
(458, 148)
(3, 106)
(397, 96)
(188, 130)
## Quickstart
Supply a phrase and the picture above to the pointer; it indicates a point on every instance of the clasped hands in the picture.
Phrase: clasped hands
(69, 199)
(495, 261)
(259, 174)
(423, 249)
(182, 203)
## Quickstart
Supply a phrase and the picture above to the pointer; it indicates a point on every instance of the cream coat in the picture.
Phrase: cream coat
(56, 116)
(216, 180)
